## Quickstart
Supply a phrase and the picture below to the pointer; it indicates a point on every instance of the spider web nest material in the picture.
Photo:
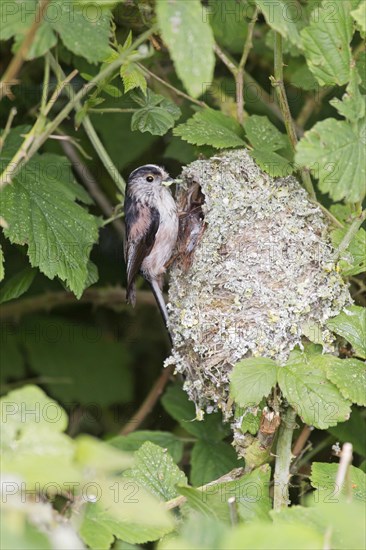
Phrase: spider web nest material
(261, 277)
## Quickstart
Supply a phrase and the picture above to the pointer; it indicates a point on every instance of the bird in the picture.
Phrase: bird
(151, 220)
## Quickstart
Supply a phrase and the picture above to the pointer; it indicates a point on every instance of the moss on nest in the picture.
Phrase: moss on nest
(260, 278)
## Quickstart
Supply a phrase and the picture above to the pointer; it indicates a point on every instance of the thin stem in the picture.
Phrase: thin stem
(149, 402)
(32, 143)
(171, 87)
(233, 510)
(301, 440)
(227, 61)
(283, 460)
(9, 78)
(351, 232)
(112, 110)
(279, 85)
(46, 83)
(58, 90)
(344, 464)
(7, 128)
(239, 80)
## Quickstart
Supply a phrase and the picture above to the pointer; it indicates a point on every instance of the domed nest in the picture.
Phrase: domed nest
(254, 274)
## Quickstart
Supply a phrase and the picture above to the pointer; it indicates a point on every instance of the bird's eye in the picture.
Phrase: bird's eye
(150, 179)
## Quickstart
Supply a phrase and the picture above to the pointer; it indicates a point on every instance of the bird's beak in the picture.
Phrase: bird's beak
(167, 182)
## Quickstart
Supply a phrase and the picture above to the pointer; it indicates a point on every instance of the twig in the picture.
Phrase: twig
(344, 464)
(279, 85)
(301, 440)
(112, 110)
(7, 128)
(229, 63)
(351, 232)
(149, 402)
(171, 87)
(311, 106)
(92, 185)
(45, 85)
(31, 146)
(112, 297)
(91, 133)
(58, 90)
(9, 78)
(233, 510)
(283, 460)
(239, 80)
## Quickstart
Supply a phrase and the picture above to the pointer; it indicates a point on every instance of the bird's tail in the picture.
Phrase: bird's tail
(157, 291)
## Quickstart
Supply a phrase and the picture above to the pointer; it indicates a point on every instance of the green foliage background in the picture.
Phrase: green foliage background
(167, 81)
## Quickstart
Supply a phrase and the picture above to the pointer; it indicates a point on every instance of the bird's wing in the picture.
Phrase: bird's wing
(142, 223)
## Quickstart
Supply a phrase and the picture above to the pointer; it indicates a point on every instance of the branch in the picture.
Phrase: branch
(283, 460)
(301, 440)
(9, 78)
(239, 80)
(112, 297)
(279, 85)
(92, 185)
(351, 232)
(149, 402)
(344, 464)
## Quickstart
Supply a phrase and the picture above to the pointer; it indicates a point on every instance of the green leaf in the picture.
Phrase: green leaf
(211, 460)
(133, 77)
(281, 16)
(304, 384)
(209, 127)
(272, 163)
(80, 363)
(353, 260)
(275, 537)
(251, 422)
(211, 428)
(262, 133)
(326, 43)
(323, 476)
(335, 153)
(352, 106)
(228, 22)
(40, 210)
(353, 431)
(359, 15)
(155, 120)
(350, 324)
(187, 33)
(17, 285)
(252, 379)
(349, 375)
(156, 471)
(303, 78)
(101, 457)
(134, 440)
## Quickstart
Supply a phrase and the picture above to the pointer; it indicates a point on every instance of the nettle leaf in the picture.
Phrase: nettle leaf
(187, 33)
(350, 324)
(359, 15)
(252, 379)
(266, 140)
(353, 260)
(352, 106)
(133, 77)
(209, 127)
(83, 32)
(335, 153)
(281, 16)
(156, 471)
(323, 477)
(134, 440)
(303, 382)
(211, 460)
(40, 211)
(157, 115)
(349, 375)
(17, 285)
(326, 43)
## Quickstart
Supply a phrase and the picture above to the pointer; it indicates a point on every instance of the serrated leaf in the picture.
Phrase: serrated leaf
(317, 401)
(303, 78)
(272, 163)
(252, 379)
(262, 133)
(350, 324)
(359, 15)
(335, 153)
(187, 33)
(156, 471)
(211, 428)
(352, 106)
(40, 210)
(353, 260)
(281, 16)
(323, 476)
(349, 375)
(211, 460)
(17, 285)
(155, 120)
(133, 77)
(209, 127)
(251, 423)
(326, 43)
(134, 440)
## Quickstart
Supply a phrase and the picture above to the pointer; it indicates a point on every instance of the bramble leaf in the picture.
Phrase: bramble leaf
(252, 379)
(209, 127)
(350, 324)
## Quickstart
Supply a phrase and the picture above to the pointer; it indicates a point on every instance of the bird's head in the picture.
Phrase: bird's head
(150, 175)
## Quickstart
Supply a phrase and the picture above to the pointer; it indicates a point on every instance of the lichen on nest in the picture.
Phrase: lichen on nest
(261, 277)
